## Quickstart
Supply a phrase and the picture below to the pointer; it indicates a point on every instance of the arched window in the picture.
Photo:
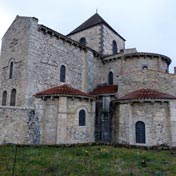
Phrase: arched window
(140, 132)
(11, 71)
(82, 118)
(114, 47)
(62, 73)
(4, 98)
(145, 67)
(82, 41)
(110, 78)
(13, 97)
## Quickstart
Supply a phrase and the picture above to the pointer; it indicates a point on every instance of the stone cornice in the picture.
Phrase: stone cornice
(137, 54)
(141, 101)
(68, 40)
(44, 97)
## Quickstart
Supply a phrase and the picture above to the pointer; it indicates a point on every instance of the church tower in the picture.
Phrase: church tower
(97, 34)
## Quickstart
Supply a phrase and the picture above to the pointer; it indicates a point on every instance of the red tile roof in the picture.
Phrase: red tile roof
(63, 90)
(146, 94)
(104, 90)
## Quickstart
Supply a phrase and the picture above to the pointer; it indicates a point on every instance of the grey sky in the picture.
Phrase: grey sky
(148, 25)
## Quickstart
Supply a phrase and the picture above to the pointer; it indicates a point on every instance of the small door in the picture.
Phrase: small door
(140, 132)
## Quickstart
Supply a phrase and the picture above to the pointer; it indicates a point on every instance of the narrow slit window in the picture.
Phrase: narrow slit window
(13, 97)
(62, 73)
(110, 78)
(114, 47)
(11, 71)
(4, 98)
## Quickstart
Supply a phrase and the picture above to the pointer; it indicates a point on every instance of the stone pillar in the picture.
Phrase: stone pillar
(62, 121)
(173, 122)
(40, 111)
(92, 123)
(175, 70)
(50, 122)
(131, 126)
(84, 72)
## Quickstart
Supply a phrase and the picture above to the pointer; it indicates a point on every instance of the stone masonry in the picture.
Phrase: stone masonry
(32, 56)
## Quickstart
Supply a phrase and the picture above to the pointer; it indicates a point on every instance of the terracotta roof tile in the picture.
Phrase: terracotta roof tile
(146, 94)
(63, 90)
(104, 90)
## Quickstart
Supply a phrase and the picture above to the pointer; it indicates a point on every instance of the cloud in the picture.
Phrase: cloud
(148, 25)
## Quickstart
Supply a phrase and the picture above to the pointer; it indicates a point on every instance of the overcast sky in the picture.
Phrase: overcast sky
(148, 25)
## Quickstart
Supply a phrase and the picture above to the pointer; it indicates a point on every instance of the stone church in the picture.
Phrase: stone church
(83, 87)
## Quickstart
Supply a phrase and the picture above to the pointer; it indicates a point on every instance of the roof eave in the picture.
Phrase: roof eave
(143, 100)
(105, 94)
(64, 95)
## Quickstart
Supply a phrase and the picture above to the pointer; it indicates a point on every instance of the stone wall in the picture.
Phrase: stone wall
(92, 36)
(15, 49)
(76, 133)
(160, 81)
(156, 117)
(59, 120)
(108, 37)
(46, 55)
(173, 121)
(100, 39)
(137, 63)
(121, 66)
(95, 72)
(38, 56)
(19, 126)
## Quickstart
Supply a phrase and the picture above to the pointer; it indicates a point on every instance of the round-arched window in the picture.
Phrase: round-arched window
(11, 71)
(62, 73)
(13, 97)
(114, 47)
(82, 118)
(110, 78)
(4, 98)
(82, 41)
(140, 132)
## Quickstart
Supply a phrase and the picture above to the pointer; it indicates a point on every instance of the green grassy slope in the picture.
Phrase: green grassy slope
(85, 161)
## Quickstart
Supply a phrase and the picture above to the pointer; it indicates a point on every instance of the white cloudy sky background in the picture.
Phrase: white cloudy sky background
(148, 25)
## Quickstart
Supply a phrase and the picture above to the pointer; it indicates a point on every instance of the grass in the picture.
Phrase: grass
(85, 161)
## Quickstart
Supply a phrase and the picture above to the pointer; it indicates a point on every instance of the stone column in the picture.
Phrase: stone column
(92, 123)
(40, 111)
(62, 121)
(131, 125)
(173, 122)
(84, 72)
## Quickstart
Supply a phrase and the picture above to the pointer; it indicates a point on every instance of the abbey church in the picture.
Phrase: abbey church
(83, 87)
